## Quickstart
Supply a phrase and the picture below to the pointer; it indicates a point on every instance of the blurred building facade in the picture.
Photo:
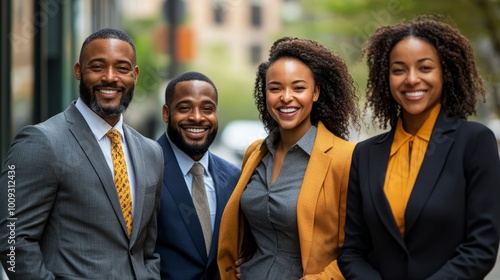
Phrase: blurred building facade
(244, 28)
(241, 28)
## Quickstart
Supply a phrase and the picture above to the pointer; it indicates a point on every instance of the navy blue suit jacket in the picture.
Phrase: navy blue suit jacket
(452, 220)
(180, 240)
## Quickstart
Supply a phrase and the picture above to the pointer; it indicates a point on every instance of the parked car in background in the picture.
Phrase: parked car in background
(238, 135)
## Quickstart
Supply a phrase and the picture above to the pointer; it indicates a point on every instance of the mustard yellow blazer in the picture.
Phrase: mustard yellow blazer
(321, 209)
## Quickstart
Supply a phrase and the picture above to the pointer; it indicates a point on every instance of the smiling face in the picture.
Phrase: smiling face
(416, 77)
(191, 117)
(290, 94)
(107, 73)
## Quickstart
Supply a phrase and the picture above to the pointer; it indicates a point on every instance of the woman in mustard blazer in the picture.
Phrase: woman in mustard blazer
(286, 214)
(423, 197)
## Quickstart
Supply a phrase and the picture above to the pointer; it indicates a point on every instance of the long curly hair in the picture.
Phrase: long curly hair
(337, 104)
(461, 81)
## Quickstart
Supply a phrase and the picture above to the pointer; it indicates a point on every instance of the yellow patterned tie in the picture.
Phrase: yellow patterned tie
(121, 177)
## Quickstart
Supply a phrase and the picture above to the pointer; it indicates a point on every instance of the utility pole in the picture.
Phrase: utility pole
(172, 12)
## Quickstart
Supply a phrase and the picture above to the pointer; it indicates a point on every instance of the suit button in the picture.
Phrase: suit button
(131, 252)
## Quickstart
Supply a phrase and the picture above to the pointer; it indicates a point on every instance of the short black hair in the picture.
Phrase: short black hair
(187, 76)
(107, 33)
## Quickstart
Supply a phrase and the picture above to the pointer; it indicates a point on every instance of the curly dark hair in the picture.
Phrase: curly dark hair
(337, 103)
(461, 81)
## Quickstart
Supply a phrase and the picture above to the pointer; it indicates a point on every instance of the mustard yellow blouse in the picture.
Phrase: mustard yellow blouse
(407, 154)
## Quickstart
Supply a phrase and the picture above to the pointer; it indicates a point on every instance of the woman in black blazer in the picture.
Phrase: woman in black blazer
(423, 198)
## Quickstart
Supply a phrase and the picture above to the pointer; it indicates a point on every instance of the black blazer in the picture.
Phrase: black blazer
(452, 217)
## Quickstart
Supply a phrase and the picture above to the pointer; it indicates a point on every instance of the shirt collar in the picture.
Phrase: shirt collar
(305, 143)
(98, 126)
(424, 133)
(186, 162)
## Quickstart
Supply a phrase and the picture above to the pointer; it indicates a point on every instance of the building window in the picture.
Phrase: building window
(219, 12)
(256, 15)
(255, 54)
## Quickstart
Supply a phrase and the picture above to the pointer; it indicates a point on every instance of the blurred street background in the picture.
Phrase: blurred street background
(225, 39)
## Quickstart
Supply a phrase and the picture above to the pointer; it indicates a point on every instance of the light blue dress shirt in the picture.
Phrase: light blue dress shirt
(185, 164)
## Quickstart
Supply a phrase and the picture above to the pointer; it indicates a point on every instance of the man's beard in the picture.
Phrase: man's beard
(88, 97)
(190, 149)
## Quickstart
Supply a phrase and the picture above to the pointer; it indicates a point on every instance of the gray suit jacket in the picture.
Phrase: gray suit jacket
(65, 209)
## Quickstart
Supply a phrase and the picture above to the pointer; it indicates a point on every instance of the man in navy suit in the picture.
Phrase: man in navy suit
(190, 112)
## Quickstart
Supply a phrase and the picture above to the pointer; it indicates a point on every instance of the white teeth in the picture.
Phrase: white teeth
(288, 110)
(195, 130)
(106, 91)
(415, 93)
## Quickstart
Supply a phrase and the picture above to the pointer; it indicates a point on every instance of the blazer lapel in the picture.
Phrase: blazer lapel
(135, 150)
(312, 183)
(218, 175)
(378, 161)
(92, 150)
(428, 175)
(173, 179)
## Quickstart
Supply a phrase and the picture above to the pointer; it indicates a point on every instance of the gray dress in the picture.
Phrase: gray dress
(270, 210)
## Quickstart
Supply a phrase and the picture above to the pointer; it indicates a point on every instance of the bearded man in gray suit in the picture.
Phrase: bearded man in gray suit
(67, 220)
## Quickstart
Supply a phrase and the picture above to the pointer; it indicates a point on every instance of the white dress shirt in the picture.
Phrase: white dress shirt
(99, 128)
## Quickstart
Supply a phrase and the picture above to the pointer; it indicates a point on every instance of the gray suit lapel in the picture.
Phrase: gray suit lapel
(83, 135)
(136, 154)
